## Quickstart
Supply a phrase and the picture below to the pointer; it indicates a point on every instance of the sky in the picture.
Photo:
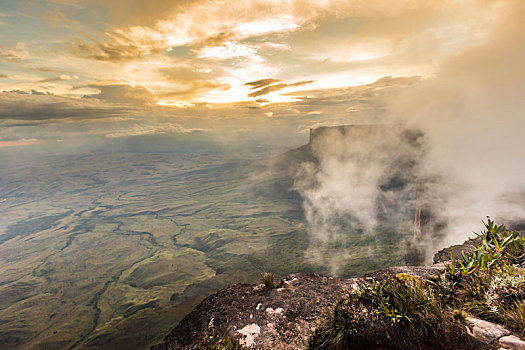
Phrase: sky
(108, 69)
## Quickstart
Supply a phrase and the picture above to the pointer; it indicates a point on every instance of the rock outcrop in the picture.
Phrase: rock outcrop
(283, 318)
(278, 318)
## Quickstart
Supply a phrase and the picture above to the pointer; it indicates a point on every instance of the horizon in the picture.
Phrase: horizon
(154, 152)
(88, 69)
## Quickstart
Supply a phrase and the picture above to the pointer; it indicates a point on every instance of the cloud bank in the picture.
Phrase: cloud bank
(471, 115)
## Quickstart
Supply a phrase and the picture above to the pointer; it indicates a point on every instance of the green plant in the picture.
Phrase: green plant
(401, 305)
(514, 316)
(489, 282)
(267, 280)
(215, 342)
(340, 325)
(490, 245)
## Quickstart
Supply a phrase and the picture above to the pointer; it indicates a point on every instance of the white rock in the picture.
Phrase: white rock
(258, 306)
(486, 332)
(250, 332)
(277, 311)
(512, 343)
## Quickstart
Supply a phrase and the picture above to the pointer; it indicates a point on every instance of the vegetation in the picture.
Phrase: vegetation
(218, 342)
(488, 282)
(214, 342)
(268, 281)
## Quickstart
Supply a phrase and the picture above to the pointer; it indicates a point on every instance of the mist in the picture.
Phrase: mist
(469, 157)
(363, 182)
(473, 116)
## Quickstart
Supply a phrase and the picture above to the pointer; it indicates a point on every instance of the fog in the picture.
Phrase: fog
(470, 162)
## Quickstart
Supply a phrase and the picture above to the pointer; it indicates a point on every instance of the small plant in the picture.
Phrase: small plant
(268, 281)
(490, 245)
(215, 342)
(506, 289)
(403, 306)
(514, 316)
(488, 282)
(341, 323)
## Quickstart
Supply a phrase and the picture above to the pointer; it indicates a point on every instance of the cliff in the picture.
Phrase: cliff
(298, 311)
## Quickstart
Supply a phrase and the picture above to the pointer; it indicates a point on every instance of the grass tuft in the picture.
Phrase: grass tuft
(406, 311)
(268, 281)
(214, 342)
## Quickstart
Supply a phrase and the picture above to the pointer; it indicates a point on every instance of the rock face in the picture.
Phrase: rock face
(283, 318)
(511, 342)
(265, 318)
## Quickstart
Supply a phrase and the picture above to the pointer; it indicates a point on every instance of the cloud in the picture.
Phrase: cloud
(121, 46)
(62, 77)
(56, 17)
(36, 92)
(14, 54)
(192, 23)
(347, 30)
(140, 12)
(20, 105)
(275, 87)
(261, 83)
(218, 39)
(188, 81)
(472, 116)
(471, 119)
(4, 76)
(20, 142)
(148, 129)
(347, 192)
(229, 50)
(45, 70)
(123, 93)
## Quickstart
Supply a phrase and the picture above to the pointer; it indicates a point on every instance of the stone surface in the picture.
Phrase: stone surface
(284, 317)
(250, 332)
(486, 332)
(271, 319)
(511, 342)
(277, 311)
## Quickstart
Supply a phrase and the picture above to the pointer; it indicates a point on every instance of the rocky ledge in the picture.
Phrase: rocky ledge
(285, 317)
(280, 318)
